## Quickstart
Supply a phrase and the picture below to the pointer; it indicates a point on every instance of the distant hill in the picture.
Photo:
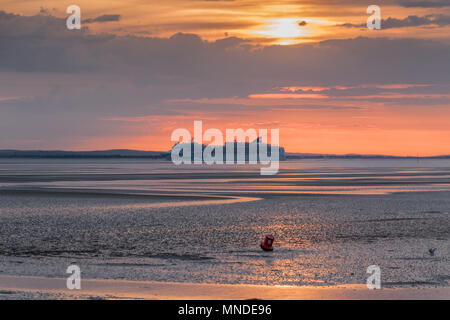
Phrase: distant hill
(116, 153)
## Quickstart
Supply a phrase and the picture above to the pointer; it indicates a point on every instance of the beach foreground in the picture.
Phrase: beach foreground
(164, 228)
(20, 287)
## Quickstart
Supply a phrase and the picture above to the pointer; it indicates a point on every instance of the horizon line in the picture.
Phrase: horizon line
(292, 154)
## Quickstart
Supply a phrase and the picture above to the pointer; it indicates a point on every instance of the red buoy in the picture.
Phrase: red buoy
(267, 244)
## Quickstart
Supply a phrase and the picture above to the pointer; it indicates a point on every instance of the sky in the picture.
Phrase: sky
(139, 69)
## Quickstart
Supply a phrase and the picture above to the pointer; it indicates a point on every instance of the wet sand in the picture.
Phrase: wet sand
(184, 231)
(14, 287)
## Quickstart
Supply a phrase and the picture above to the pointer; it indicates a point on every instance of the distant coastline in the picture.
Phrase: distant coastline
(125, 153)
(115, 153)
(357, 156)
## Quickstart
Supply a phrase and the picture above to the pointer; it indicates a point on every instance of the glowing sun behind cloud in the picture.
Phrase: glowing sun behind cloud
(286, 31)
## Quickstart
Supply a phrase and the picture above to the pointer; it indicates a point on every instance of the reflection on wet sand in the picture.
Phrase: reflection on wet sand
(151, 221)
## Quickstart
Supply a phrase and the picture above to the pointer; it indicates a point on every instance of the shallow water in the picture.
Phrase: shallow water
(331, 220)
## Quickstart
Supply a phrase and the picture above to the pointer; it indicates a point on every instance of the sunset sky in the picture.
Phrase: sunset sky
(139, 69)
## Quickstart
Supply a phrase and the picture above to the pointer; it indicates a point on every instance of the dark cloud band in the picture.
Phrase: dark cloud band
(104, 18)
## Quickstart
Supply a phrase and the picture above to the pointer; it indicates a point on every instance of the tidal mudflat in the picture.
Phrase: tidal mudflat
(152, 221)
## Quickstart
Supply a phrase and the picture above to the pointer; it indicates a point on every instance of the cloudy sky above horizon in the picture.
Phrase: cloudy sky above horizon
(139, 69)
